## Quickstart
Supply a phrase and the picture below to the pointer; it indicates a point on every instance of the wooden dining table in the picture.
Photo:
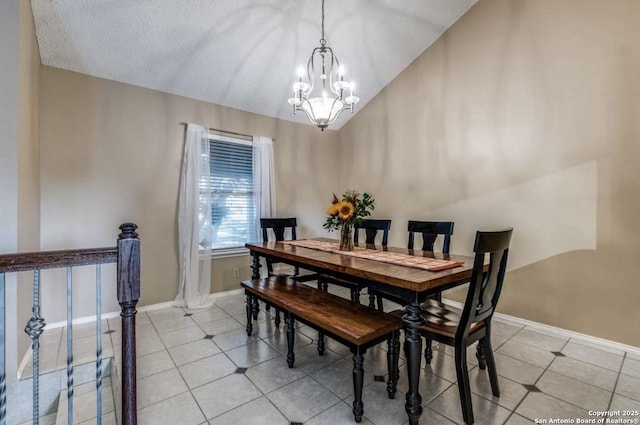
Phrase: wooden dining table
(413, 285)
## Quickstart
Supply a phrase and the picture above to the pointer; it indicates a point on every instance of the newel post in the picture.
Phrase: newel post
(128, 295)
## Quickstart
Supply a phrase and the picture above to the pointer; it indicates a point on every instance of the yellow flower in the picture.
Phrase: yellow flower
(333, 210)
(345, 210)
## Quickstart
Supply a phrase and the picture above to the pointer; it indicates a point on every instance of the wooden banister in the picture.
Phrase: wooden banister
(128, 295)
(22, 262)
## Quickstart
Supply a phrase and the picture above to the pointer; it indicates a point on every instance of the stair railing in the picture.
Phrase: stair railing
(127, 256)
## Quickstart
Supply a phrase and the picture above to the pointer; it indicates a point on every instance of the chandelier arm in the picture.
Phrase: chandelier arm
(332, 117)
(335, 65)
(311, 70)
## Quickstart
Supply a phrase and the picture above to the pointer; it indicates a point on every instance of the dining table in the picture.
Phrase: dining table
(410, 275)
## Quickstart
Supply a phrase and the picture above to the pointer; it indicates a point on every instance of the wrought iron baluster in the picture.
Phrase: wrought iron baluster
(34, 329)
(3, 382)
(98, 344)
(69, 348)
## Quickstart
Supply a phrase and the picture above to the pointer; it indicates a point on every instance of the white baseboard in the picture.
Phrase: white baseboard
(505, 318)
(81, 320)
(150, 307)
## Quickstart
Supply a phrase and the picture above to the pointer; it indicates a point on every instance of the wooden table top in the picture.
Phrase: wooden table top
(399, 276)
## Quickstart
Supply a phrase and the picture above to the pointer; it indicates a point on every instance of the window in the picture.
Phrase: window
(232, 194)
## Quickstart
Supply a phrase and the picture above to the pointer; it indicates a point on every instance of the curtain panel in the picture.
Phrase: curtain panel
(194, 221)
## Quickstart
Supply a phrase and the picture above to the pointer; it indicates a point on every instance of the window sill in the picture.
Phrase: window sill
(229, 252)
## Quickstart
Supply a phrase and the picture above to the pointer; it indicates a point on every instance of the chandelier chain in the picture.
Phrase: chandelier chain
(322, 40)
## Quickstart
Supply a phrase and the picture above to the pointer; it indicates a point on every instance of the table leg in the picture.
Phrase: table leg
(255, 265)
(393, 353)
(255, 274)
(249, 308)
(358, 379)
(413, 351)
(290, 321)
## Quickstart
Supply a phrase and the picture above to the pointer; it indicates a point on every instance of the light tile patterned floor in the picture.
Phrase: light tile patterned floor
(199, 367)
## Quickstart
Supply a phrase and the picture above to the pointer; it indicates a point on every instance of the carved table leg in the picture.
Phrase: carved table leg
(413, 350)
(320, 343)
(428, 351)
(249, 308)
(255, 308)
(393, 354)
(277, 319)
(358, 379)
(355, 295)
(291, 358)
(255, 274)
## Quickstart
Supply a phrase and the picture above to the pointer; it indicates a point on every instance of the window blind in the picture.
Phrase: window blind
(232, 203)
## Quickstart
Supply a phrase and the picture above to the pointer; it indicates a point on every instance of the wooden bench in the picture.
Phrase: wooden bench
(354, 325)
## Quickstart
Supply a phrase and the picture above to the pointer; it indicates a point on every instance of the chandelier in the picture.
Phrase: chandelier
(321, 94)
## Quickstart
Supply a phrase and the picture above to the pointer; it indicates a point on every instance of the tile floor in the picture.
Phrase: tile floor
(199, 367)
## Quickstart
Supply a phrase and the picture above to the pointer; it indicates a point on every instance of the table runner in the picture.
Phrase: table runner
(424, 263)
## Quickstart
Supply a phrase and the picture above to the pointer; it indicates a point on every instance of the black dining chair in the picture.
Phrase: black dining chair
(430, 231)
(460, 328)
(278, 226)
(281, 228)
(371, 228)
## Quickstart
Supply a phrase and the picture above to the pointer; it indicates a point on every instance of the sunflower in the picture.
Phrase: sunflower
(333, 210)
(350, 209)
(345, 210)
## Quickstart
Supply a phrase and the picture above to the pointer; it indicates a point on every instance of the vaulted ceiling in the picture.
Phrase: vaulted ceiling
(238, 53)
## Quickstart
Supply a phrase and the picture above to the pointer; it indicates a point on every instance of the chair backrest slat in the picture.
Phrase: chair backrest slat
(371, 228)
(485, 287)
(278, 226)
(430, 231)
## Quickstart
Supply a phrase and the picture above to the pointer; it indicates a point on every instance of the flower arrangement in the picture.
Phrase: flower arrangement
(344, 213)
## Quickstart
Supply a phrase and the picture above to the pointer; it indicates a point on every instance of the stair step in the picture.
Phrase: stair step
(53, 396)
(85, 402)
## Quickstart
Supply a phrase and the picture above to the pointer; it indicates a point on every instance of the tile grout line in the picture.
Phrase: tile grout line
(613, 393)
(552, 396)
(513, 411)
(175, 366)
(221, 351)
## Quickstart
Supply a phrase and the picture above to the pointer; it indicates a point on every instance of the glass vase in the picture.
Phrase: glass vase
(346, 238)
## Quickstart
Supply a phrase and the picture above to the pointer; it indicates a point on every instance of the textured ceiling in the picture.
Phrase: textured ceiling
(239, 53)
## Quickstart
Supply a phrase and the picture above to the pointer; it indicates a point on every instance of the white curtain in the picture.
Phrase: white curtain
(263, 185)
(194, 221)
(263, 181)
